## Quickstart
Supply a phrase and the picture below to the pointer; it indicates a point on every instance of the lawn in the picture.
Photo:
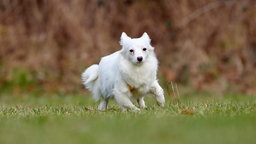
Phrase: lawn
(70, 119)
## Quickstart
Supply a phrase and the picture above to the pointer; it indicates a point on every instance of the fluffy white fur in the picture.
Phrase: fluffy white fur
(127, 74)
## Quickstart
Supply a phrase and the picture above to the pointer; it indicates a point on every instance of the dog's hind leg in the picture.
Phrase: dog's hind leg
(141, 102)
(159, 93)
(103, 106)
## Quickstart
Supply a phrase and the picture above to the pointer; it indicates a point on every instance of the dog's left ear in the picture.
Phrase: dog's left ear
(146, 37)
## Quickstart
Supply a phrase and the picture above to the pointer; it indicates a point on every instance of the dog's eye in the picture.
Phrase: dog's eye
(144, 49)
(131, 50)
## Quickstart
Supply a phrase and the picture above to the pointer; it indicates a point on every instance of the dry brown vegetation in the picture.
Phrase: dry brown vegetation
(207, 44)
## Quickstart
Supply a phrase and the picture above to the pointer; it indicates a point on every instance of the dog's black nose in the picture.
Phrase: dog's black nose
(139, 59)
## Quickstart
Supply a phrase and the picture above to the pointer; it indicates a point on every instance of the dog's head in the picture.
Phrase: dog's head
(136, 50)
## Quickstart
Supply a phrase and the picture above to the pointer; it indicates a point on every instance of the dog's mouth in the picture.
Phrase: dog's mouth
(139, 62)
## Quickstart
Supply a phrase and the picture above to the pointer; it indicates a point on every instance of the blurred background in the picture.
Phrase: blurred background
(202, 44)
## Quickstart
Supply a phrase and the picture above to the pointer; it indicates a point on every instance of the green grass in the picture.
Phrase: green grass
(69, 119)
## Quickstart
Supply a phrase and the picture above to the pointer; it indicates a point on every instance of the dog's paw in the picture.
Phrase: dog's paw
(143, 107)
(103, 106)
(160, 100)
(134, 109)
(161, 104)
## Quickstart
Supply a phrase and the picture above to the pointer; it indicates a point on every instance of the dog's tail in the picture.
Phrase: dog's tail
(89, 77)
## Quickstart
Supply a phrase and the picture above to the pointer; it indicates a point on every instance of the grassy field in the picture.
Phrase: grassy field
(70, 119)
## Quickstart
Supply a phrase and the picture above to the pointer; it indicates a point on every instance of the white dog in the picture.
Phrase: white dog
(127, 74)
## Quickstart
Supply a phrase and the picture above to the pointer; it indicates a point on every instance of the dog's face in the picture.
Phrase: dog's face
(136, 50)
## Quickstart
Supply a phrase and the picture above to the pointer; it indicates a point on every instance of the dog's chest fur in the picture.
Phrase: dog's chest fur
(138, 78)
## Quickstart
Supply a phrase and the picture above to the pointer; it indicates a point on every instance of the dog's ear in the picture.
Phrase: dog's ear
(124, 38)
(147, 40)
(146, 37)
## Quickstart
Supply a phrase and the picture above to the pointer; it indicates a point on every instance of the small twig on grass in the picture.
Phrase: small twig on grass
(175, 90)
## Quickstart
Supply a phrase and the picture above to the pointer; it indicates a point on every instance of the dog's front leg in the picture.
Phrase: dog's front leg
(157, 90)
(122, 98)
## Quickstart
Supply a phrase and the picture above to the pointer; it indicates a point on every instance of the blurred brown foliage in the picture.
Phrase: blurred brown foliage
(206, 44)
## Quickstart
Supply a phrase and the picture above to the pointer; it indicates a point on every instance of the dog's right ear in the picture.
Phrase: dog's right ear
(124, 38)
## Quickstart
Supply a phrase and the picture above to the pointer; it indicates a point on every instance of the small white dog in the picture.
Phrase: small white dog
(127, 74)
